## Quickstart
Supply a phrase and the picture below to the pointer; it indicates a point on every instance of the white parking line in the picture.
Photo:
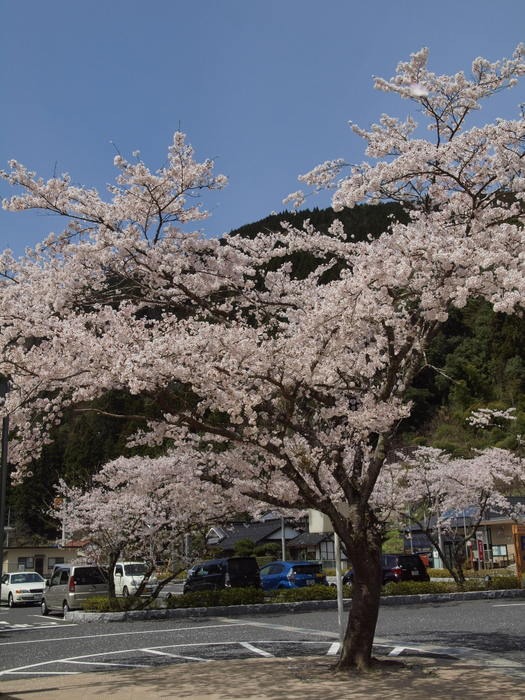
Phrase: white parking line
(396, 651)
(333, 649)
(45, 673)
(256, 650)
(121, 634)
(283, 628)
(173, 656)
(103, 663)
(506, 605)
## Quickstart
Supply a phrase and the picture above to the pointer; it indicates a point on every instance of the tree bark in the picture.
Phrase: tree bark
(356, 652)
(113, 557)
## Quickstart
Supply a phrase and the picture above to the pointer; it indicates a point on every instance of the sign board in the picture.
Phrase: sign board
(319, 522)
(481, 553)
(518, 534)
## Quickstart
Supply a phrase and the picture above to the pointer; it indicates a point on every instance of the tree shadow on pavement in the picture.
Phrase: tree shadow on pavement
(276, 679)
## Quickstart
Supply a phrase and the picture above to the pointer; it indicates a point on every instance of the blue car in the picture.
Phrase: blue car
(291, 574)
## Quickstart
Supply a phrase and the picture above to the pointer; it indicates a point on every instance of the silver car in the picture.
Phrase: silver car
(71, 584)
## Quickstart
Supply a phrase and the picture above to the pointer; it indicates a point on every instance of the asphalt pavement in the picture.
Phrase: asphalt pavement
(413, 675)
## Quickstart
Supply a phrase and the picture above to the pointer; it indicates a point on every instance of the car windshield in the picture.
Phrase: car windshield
(26, 578)
(135, 569)
(307, 568)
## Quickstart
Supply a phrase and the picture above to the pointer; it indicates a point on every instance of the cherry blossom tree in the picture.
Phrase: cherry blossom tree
(287, 388)
(433, 490)
(142, 507)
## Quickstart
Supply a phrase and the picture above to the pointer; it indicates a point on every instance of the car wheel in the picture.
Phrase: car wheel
(43, 607)
(10, 601)
(125, 592)
(65, 608)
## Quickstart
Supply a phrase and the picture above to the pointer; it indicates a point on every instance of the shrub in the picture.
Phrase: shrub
(105, 604)
(417, 587)
(474, 584)
(502, 582)
(270, 549)
(210, 599)
(438, 573)
(318, 592)
(244, 548)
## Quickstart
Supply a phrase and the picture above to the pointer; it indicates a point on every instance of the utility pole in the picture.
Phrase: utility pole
(283, 539)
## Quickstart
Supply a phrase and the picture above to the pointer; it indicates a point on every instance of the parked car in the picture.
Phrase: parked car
(128, 576)
(22, 587)
(291, 574)
(235, 572)
(71, 584)
(398, 567)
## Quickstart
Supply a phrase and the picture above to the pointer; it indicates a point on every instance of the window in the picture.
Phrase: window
(55, 579)
(499, 550)
(51, 561)
(25, 563)
(89, 575)
(135, 569)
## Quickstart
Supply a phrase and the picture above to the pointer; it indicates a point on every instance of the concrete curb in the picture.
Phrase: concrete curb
(269, 608)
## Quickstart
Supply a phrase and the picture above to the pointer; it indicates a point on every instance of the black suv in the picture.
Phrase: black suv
(398, 567)
(235, 572)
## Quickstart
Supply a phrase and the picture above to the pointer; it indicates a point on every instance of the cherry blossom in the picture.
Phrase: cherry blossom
(431, 489)
(140, 507)
(284, 388)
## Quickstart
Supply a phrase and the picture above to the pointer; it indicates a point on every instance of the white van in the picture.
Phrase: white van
(128, 576)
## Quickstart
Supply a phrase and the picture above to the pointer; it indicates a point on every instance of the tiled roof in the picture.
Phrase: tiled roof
(256, 532)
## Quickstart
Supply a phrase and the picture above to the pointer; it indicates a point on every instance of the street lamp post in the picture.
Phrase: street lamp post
(3, 478)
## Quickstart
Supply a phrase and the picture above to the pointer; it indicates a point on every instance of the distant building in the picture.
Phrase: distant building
(40, 558)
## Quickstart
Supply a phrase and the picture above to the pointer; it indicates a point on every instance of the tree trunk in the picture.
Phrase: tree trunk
(113, 557)
(356, 653)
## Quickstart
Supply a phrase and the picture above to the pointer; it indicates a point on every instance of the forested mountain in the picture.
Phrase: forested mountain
(477, 359)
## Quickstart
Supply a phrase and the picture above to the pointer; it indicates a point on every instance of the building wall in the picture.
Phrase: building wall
(41, 559)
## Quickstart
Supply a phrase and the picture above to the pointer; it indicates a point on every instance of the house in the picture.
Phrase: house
(260, 533)
(299, 545)
(493, 544)
(317, 546)
(40, 558)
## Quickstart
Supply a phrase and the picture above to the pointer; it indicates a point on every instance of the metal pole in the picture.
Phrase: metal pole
(3, 478)
(63, 523)
(283, 539)
(339, 586)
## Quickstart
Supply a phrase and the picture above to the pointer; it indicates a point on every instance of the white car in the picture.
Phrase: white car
(128, 576)
(22, 587)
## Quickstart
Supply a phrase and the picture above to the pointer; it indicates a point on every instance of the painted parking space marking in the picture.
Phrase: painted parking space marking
(333, 649)
(45, 673)
(19, 626)
(256, 650)
(120, 634)
(170, 653)
(281, 628)
(102, 663)
(174, 656)
(506, 605)
(396, 651)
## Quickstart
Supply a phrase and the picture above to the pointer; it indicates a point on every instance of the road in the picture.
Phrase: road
(30, 644)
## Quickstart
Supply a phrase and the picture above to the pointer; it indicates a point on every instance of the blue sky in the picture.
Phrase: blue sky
(264, 87)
